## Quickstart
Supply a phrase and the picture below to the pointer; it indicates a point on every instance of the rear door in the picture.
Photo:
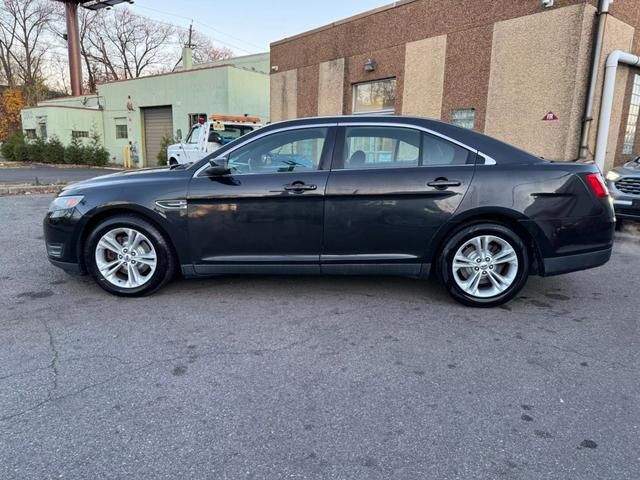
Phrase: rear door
(390, 189)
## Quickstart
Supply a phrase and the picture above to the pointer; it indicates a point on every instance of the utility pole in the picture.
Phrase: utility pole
(73, 35)
(189, 45)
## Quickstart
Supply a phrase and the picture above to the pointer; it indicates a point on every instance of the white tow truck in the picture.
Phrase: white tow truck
(209, 135)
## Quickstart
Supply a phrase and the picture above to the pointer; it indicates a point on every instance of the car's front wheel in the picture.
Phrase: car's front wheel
(128, 256)
(484, 265)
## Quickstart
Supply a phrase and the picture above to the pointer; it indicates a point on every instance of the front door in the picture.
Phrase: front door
(267, 214)
(390, 190)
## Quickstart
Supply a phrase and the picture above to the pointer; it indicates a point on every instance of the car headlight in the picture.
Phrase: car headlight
(65, 203)
(613, 176)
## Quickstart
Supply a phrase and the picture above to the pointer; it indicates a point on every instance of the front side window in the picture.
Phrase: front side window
(292, 151)
(375, 97)
(381, 147)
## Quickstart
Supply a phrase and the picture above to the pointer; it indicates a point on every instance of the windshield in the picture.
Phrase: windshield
(194, 134)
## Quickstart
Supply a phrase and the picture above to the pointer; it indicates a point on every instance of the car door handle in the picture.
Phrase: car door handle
(444, 183)
(299, 187)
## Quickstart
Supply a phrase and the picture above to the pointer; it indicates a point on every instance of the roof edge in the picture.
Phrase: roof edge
(357, 16)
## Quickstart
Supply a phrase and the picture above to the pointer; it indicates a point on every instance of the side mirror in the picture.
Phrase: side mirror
(218, 167)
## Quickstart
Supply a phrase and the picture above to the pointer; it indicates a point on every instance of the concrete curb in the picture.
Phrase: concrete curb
(55, 165)
(26, 189)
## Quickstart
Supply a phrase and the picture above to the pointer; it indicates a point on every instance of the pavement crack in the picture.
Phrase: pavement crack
(53, 365)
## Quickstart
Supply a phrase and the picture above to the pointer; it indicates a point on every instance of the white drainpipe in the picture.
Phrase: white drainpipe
(613, 60)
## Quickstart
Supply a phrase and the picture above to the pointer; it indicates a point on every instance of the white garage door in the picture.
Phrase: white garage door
(158, 123)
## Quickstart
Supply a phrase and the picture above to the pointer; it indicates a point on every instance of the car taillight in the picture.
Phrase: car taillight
(597, 185)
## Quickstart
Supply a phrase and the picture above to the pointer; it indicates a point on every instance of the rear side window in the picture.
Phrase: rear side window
(381, 147)
(437, 151)
(397, 147)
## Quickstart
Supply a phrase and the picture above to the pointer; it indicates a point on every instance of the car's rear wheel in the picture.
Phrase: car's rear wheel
(484, 265)
(128, 256)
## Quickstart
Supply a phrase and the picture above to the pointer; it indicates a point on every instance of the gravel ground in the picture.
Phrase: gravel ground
(339, 378)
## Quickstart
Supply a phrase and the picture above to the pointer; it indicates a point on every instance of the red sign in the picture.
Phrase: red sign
(550, 117)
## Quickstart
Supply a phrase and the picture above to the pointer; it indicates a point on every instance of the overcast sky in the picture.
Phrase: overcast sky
(248, 26)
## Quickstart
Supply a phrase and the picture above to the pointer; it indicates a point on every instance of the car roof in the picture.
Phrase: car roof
(500, 151)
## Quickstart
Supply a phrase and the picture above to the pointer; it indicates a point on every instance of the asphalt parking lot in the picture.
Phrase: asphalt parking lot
(344, 378)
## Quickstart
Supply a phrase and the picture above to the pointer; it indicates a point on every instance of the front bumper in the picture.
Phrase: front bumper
(627, 209)
(67, 266)
(575, 263)
(62, 235)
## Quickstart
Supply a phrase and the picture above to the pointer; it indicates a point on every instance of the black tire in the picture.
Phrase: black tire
(172, 162)
(165, 264)
(458, 239)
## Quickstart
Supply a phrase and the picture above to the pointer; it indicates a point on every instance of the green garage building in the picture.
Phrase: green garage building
(138, 113)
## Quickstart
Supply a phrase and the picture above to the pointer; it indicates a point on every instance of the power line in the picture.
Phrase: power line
(207, 27)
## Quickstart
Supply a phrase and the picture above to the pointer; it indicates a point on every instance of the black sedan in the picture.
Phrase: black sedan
(354, 195)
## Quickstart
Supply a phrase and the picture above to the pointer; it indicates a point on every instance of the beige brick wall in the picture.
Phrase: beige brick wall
(618, 35)
(533, 71)
(331, 87)
(424, 77)
(284, 95)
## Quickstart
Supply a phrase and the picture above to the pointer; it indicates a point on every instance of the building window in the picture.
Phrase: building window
(632, 119)
(30, 133)
(122, 131)
(79, 134)
(465, 118)
(194, 117)
(375, 97)
(43, 131)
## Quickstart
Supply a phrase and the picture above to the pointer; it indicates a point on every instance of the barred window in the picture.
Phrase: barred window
(632, 119)
(79, 134)
(465, 118)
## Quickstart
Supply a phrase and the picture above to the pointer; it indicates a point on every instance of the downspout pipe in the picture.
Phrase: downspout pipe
(614, 59)
(587, 120)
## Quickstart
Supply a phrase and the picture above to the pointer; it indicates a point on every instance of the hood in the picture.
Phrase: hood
(126, 177)
(631, 168)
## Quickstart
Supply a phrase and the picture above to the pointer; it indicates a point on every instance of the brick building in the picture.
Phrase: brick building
(519, 70)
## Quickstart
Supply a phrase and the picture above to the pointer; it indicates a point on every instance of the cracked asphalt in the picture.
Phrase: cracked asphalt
(338, 378)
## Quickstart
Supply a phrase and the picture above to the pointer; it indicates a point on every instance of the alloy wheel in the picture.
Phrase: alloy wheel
(126, 258)
(485, 266)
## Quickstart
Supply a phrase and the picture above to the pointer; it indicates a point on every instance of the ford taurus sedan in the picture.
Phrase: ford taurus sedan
(341, 196)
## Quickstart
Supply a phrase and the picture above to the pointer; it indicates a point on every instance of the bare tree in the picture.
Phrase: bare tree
(204, 50)
(23, 26)
(119, 44)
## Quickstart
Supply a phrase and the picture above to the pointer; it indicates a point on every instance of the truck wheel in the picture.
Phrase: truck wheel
(172, 162)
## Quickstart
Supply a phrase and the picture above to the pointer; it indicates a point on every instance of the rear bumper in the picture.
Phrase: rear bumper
(574, 263)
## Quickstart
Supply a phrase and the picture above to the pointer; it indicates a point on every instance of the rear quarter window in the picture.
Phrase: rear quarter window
(437, 151)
